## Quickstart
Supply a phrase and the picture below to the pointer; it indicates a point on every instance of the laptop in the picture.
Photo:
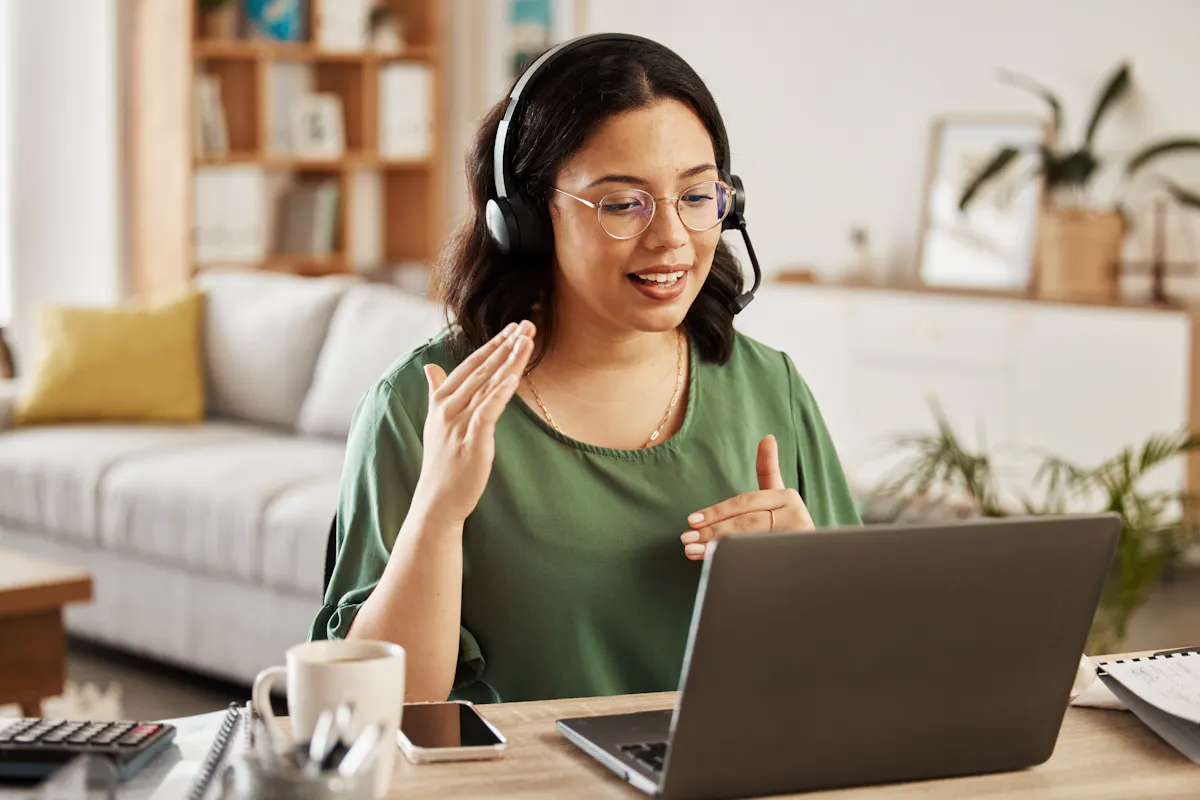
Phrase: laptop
(866, 655)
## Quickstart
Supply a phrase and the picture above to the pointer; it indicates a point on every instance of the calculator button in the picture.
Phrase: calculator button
(85, 733)
(32, 734)
(112, 733)
(140, 732)
(16, 729)
(138, 735)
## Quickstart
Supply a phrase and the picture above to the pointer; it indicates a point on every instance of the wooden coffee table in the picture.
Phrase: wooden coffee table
(33, 592)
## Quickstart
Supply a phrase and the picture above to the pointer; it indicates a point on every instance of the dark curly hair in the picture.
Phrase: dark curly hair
(483, 289)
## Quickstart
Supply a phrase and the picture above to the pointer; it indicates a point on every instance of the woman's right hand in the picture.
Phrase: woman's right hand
(460, 428)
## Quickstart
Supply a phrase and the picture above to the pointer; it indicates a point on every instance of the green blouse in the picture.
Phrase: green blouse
(575, 582)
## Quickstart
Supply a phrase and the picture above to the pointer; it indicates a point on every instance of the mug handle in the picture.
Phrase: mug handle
(260, 697)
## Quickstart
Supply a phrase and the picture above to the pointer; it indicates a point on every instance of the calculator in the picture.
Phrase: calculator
(35, 748)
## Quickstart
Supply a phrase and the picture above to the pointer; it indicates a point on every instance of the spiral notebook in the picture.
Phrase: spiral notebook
(1164, 692)
(235, 736)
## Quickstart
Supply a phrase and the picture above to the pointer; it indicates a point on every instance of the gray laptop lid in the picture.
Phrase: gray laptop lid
(880, 654)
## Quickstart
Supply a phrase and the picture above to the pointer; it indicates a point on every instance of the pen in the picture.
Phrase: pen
(362, 749)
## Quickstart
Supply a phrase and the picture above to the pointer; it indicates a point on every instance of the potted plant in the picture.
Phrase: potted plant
(218, 19)
(942, 477)
(1079, 236)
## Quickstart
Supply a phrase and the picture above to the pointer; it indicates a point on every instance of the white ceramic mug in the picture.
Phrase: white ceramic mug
(322, 675)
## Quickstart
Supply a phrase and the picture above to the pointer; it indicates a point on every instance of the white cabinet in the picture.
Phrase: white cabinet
(1023, 378)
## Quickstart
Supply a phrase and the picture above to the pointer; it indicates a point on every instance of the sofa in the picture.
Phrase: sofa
(207, 541)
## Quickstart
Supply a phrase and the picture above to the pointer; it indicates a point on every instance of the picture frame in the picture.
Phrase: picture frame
(318, 128)
(990, 245)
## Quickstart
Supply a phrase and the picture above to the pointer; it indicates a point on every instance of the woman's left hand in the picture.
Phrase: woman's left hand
(773, 507)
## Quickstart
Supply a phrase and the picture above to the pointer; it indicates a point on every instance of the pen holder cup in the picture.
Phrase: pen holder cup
(252, 777)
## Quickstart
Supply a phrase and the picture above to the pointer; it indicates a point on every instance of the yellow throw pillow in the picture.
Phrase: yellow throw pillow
(132, 363)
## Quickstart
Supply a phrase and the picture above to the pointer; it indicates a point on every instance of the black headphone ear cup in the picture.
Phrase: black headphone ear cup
(501, 223)
(530, 220)
(734, 218)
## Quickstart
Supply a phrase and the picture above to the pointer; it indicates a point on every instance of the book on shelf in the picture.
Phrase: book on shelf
(287, 84)
(308, 219)
(405, 111)
(344, 26)
(230, 220)
(210, 134)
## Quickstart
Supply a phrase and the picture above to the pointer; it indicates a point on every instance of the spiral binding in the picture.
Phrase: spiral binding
(1163, 656)
(216, 752)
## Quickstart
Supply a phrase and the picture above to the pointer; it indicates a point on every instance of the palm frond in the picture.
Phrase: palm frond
(1029, 85)
(1163, 447)
(1158, 149)
(1182, 196)
(1156, 525)
(999, 161)
(1117, 85)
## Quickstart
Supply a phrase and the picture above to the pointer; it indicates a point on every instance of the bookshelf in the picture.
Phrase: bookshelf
(193, 205)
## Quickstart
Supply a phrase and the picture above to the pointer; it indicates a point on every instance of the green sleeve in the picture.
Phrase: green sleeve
(383, 462)
(823, 483)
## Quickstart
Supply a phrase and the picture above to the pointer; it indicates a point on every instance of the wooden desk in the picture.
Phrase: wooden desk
(1100, 754)
(33, 592)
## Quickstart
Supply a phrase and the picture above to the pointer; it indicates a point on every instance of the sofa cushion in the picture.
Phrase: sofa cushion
(373, 326)
(295, 528)
(50, 476)
(203, 508)
(263, 332)
(135, 362)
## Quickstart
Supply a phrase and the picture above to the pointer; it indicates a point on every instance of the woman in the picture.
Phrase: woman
(527, 500)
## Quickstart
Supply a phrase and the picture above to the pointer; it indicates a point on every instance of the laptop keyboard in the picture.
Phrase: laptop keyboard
(652, 754)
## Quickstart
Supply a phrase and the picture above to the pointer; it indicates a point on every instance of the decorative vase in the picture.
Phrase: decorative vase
(220, 24)
(387, 37)
(1079, 254)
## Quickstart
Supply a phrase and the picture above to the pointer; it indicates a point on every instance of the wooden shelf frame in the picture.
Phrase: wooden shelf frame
(241, 49)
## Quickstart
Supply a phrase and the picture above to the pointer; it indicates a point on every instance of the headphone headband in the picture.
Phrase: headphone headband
(500, 148)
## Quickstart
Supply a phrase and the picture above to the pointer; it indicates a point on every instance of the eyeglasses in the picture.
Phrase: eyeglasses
(627, 213)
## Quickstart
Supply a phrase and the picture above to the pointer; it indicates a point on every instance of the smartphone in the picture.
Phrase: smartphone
(447, 731)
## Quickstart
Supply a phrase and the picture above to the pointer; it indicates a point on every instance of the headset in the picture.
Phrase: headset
(518, 226)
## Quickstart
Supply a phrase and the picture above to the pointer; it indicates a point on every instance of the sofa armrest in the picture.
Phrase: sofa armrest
(9, 388)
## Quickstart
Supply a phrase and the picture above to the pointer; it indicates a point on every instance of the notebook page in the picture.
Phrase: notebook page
(1183, 736)
(1170, 683)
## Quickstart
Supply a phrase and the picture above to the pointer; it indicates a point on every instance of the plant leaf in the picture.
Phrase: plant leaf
(1151, 152)
(990, 170)
(1181, 195)
(1020, 81)
(1075, 169)
(1053, 167)
(1118, 84)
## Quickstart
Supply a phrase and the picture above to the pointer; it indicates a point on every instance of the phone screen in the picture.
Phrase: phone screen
(432, 725)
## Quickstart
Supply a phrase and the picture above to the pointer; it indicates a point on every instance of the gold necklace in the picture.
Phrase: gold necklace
(671, 407)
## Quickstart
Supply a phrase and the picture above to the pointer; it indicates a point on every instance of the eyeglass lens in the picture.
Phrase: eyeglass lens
(627, 212)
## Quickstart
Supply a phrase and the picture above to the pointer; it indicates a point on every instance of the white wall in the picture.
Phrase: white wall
(64, 119)
(828, 102)
(5, 160)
